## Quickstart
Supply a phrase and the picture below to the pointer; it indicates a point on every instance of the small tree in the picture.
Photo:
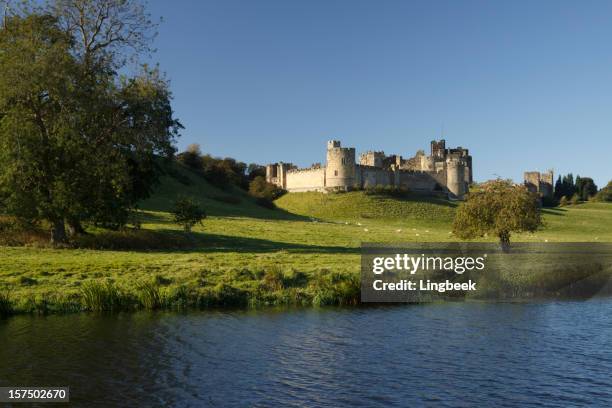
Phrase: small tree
(563, 202)
(500, 209)
(188, 213)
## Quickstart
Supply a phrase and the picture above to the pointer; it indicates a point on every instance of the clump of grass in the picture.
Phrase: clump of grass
(334, 288)
(6, 304)
(102, 297)
(273, 279)
(149, 296)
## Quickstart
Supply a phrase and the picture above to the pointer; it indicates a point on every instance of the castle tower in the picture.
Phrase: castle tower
(340, 170)
(438, 149)
(455, 177)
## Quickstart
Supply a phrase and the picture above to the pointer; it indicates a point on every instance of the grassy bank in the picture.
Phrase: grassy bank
(306, 252)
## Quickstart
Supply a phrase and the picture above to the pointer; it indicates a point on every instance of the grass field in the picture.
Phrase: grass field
(305, 252)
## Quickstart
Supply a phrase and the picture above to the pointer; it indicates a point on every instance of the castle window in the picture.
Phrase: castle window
(335, 172)
(343, 160)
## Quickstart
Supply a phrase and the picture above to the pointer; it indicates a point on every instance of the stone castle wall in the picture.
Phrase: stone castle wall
(445, 170)
(541, 183)
(306, 180)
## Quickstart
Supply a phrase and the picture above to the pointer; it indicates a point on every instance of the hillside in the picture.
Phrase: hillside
(180, 181)
(359, 205)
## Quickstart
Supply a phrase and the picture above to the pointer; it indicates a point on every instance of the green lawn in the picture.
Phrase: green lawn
(300, 253)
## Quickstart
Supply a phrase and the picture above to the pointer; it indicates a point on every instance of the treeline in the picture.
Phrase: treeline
(571, 191)
(81, 134)
(226, 172)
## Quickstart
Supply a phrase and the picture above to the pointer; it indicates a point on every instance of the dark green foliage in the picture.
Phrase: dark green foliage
(264, 192)
(221, 173)
(565, 186)
(390, 191)
(192, 157)
(585, 188)
(188, 213)
(78, 142)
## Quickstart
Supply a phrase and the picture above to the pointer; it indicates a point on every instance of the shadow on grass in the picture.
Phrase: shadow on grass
(178, 241)
(554, 211)
(225, 243)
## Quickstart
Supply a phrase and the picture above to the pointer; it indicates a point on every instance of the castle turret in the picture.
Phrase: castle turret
(455, 177)
(340, 169)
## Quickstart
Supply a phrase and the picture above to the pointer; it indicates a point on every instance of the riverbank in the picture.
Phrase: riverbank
(241, 261)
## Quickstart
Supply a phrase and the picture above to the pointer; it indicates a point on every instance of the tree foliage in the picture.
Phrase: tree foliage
(500, 208)
(79, 142)
(188, 213)
(605, 194)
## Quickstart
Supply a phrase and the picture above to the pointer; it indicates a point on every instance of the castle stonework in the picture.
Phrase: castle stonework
(541, 183)
(443, 171)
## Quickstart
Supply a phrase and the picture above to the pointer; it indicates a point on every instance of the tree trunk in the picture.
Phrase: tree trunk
(504, 240)
(58, 232)
(75, 228)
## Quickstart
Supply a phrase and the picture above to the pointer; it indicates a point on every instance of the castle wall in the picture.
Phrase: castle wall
(305, 180)
(420, 181)
(445, 170)
(373, 176)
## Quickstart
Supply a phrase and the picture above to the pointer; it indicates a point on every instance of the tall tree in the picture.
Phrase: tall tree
(77, 141)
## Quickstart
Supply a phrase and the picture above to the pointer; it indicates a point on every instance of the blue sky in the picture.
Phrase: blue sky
(524, 85)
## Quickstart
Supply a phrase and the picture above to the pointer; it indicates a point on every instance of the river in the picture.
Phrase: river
(444, 354)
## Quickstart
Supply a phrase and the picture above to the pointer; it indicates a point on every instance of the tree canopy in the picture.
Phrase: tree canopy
(78, 141)
(499, 209)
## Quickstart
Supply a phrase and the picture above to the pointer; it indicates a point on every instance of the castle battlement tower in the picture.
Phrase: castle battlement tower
(455, 176)
(340, 169)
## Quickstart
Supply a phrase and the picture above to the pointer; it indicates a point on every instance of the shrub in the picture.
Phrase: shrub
(188, 213)
(563, 202)
(260, 188)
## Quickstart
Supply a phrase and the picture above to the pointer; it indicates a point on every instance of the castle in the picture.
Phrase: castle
(541, 183)
(443, 171)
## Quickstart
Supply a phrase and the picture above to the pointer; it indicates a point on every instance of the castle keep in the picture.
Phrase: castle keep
(442, 171)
